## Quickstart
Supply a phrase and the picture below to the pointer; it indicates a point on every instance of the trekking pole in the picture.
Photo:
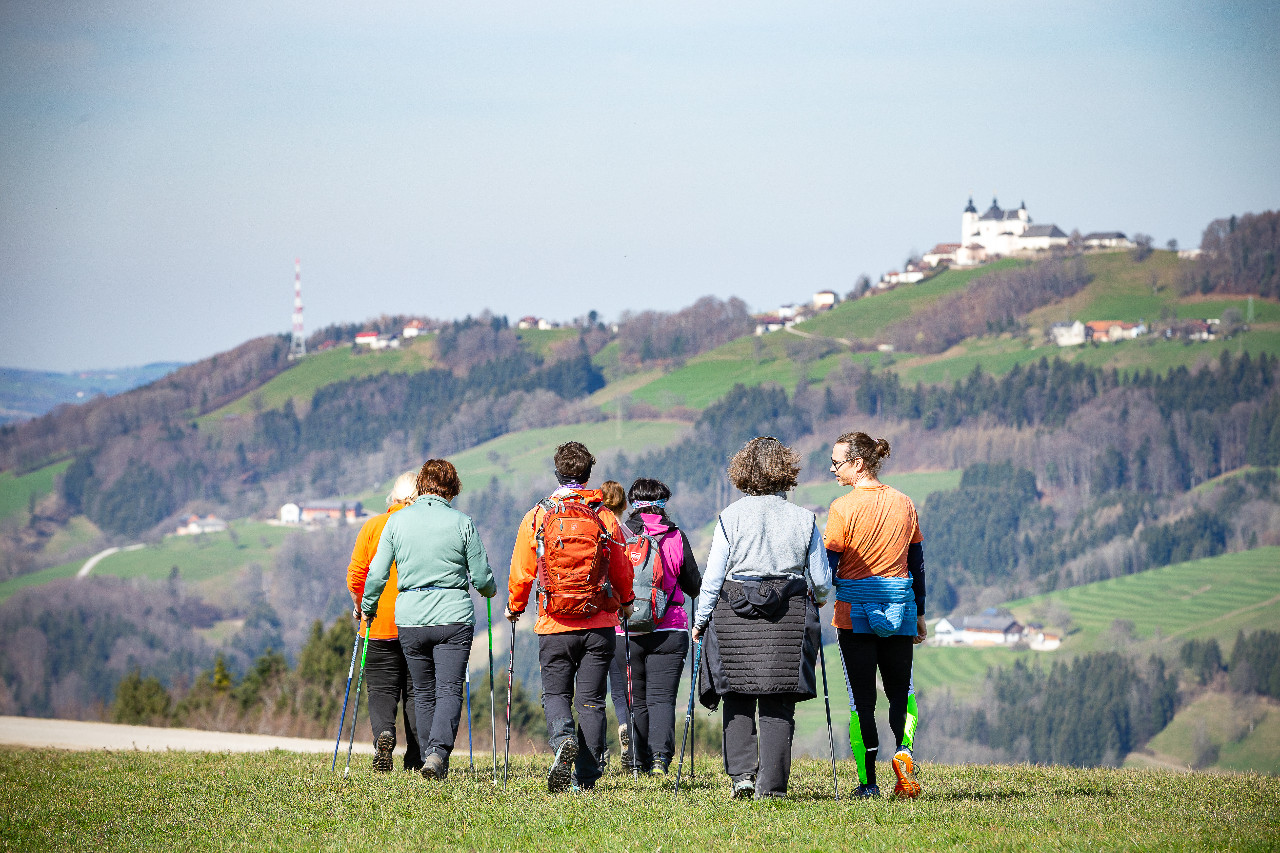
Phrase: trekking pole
(511, 671)
(826, 699)
(355, 712)
(631, 703)
(471, 756)
(693, 742)
(342, 721)
(688, 716)
(493, 715)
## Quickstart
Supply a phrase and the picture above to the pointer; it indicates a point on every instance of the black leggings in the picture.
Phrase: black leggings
(657, 660)
(863, 654)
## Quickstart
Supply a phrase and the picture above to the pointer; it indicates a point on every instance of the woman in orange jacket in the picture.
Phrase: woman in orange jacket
(385, 669)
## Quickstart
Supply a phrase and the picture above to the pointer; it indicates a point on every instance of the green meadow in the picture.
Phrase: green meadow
(17, 490)
(865, 318)
(51, 800)
(301, 381)
(210, 560)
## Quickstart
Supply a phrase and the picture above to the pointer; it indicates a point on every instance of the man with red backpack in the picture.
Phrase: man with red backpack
(574, 552)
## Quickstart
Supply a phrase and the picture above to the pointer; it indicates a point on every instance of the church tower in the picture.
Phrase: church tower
(968, 223)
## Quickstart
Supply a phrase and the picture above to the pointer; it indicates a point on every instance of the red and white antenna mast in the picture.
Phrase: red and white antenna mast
(298, 345)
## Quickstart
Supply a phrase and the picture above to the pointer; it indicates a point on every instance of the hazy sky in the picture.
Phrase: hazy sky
(162, 163)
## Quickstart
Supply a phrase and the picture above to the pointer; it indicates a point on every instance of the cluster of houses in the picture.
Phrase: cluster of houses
(324, 512)
(1111, 331)
(375, 341)
(196, 525)
(786, 316)
(993, 628)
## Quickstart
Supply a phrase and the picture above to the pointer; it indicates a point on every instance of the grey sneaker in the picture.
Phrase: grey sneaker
(560, 776)
(744, 789)
(385, 746)
(434, 767)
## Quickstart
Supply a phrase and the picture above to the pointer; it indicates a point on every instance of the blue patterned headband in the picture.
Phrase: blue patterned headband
(656, 504)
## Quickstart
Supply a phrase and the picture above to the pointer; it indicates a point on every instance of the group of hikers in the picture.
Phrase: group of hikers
(609, 589)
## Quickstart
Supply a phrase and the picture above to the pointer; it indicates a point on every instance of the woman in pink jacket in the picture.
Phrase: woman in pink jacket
(657, 656)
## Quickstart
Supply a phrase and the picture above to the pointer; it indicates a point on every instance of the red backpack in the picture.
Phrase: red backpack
(652, 600)
(573, 563)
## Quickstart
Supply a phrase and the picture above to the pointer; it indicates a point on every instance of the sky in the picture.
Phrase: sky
(163, 163)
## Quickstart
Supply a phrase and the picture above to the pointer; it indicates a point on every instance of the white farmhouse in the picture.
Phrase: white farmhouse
(290, 513)
(1068, 334)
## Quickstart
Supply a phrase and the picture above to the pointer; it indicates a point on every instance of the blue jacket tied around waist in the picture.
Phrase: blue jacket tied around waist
(882, 606)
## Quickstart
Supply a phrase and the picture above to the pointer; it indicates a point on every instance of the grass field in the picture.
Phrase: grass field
(210, 560)
(52, 800)
(999, 355)
(301, 381)
(865, 318)
(16, 490)
(1200, 599)
(749, 360)
(1246, 730)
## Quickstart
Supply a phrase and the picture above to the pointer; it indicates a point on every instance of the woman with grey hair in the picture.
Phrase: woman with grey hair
(385, 667)
(766, 577)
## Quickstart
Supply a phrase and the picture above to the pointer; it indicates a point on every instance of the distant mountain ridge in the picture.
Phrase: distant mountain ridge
(26, 394)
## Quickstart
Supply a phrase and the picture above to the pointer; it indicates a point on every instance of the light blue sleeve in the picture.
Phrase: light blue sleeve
(819, 568)
(713, 577)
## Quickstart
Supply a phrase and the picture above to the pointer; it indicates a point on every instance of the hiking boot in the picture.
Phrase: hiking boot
(578, 788)
(905, 769)
(744, 789)
(660, 765)
(867, 792)
(385, 746)
(624, 738)
(560, 776)
(434, 767)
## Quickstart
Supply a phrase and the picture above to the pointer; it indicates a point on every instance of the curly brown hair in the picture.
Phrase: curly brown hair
(574, 462)
(764, 466)
(872, 451)
(439, 477)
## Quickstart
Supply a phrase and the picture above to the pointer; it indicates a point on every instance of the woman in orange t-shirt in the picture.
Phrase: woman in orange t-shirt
(874, 546)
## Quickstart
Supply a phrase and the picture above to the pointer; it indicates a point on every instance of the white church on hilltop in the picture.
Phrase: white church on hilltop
(996, 233)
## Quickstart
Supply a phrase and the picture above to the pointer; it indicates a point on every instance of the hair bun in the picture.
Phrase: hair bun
(882, 448)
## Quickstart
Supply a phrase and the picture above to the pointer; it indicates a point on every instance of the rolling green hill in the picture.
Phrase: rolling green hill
(210, 561)
(16, 491)
(865, 318)
(301, 381)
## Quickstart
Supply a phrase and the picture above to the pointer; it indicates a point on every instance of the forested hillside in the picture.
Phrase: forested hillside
(1074, 464)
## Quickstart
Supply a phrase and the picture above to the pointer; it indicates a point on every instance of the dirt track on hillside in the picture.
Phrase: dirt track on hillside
(75, 735)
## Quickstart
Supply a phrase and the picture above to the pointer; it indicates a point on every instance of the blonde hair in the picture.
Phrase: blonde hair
(404, 489)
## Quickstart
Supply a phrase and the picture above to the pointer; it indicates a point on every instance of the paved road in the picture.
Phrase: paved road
(102, 555)
(72, 734)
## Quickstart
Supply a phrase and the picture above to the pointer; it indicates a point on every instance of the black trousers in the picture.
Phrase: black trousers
(574, 667)
(387, 675)
(657, 661)
(766, 757)
(437, 659)
(863, 654)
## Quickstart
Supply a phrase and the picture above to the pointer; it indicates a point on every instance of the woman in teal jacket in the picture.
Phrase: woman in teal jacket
(437, 552)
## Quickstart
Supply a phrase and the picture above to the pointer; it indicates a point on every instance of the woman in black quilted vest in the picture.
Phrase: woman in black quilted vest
(766, 577)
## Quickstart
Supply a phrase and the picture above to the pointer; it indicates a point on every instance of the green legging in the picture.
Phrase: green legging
(856, 743)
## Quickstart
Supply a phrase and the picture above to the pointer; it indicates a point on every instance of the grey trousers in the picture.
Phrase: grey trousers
(767, 757)
(437, 659)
